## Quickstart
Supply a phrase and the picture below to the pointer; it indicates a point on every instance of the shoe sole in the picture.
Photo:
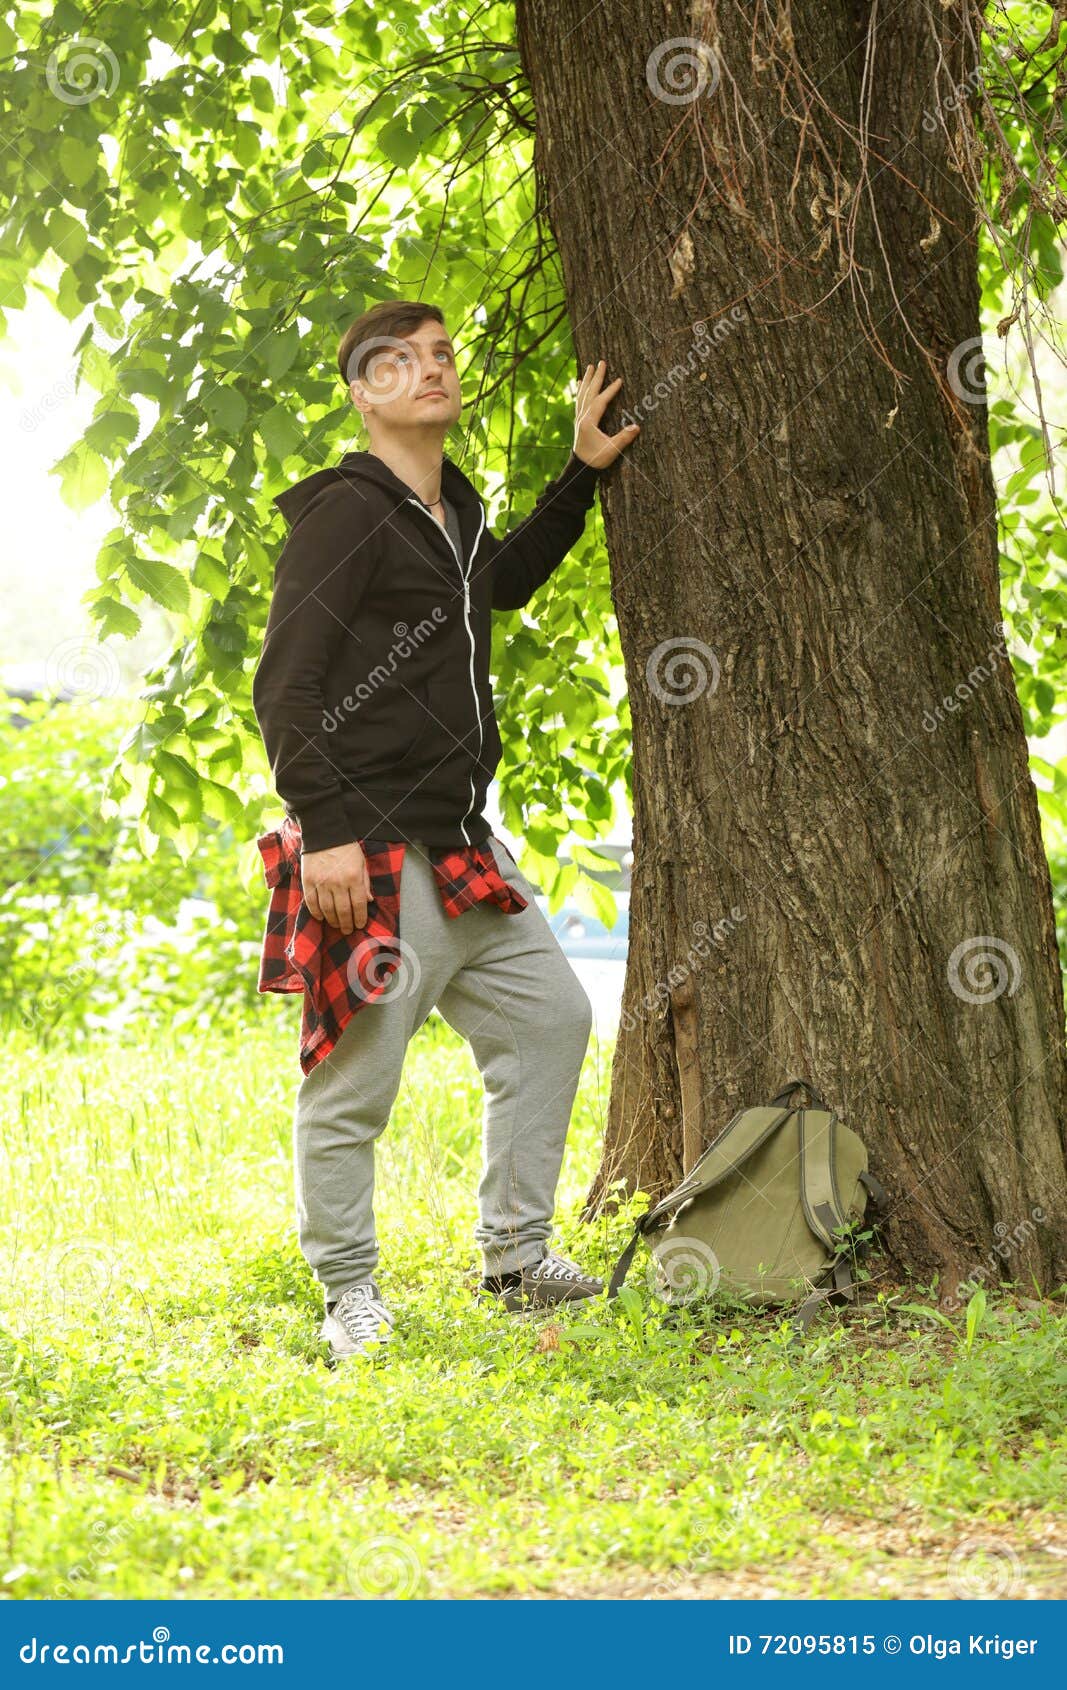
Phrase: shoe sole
(526, 1309)
(336, 1357)
(376, 1349)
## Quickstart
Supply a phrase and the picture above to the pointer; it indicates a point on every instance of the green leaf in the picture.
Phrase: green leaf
(279, 432)
(1044, 697)
(78, 159)
(976, 1309)
(928, 1312)
(225, 408)
(181, 785)
(111, 616)
(397, 142)
(282, 348)
(262, 93)
(161, 582)
(221, 802)
(112, 432)
(84, 478)
(597, 900)
(138, 379)
(211, 576)
(177, 772)
(162, 819)
(588, 858)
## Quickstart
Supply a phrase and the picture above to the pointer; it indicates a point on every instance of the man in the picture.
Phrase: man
(391, 895)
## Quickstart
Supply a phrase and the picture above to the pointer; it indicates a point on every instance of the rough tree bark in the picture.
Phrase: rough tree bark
(835, 873)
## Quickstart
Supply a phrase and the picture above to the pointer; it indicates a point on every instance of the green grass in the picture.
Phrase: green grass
(169, 1424)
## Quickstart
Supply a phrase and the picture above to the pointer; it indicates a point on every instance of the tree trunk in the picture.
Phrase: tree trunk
(838, 865)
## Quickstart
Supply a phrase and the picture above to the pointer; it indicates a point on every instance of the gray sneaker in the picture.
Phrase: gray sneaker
(359, 1323)
(546, 1284)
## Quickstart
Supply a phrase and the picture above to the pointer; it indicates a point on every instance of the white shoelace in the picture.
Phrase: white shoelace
(361, 1312)
(552, 1266)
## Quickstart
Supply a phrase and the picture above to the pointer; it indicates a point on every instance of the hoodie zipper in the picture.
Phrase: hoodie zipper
(465, 578)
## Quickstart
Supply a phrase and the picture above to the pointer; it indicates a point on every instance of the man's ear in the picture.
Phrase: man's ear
(361, 414)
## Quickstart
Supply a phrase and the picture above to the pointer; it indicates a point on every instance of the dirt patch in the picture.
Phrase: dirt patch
(905, 1557)
(1041, 1579)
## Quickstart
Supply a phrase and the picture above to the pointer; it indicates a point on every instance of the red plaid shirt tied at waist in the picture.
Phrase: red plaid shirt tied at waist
(340, 973)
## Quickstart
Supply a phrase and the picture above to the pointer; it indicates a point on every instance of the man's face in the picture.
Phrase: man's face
(410, 382)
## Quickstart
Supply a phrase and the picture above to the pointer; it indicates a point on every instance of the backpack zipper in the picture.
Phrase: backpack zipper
(465, 578)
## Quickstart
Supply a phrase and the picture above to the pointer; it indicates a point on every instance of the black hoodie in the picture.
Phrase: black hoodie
(372, 691)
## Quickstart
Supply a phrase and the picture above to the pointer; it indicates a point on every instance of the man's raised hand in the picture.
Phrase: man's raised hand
(591, 444)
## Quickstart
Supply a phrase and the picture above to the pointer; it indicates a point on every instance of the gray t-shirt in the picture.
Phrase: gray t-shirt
(452, 525)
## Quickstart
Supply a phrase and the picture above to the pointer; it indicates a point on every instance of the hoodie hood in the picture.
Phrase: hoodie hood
(367, 469)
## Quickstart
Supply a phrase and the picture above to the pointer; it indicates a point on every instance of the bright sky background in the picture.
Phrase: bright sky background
(47, 552)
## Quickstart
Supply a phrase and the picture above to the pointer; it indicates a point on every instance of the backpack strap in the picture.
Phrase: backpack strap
(818, 1189)
(877, 1193)
(819, 1196)
(793, 1085)
(738, 1141)
(838, 1284)
(622, 1266)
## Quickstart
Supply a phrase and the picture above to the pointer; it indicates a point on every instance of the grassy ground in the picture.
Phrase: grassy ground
(169, 1425)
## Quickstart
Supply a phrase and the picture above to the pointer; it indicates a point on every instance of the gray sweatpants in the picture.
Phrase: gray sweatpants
(503, 982)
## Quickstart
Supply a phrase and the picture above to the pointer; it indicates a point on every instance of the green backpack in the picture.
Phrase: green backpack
(766, 1212)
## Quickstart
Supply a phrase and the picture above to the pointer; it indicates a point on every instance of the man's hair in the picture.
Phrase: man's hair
(389, 317)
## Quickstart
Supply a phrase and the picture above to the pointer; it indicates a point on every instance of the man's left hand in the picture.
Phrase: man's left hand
(591, 444)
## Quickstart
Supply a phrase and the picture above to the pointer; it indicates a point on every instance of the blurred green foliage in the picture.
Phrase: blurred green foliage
(94, 933)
